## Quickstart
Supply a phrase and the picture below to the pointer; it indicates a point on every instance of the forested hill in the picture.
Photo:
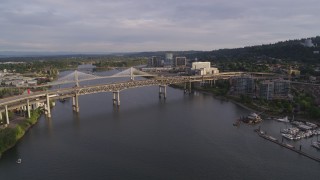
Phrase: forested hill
(291, 50)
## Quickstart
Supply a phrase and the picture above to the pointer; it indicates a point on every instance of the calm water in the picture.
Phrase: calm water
(185, 137)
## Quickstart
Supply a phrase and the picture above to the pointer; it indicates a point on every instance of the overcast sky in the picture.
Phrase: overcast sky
(152, 25)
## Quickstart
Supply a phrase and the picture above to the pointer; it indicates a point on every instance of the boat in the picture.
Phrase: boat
(272, 138)
(289, 145)
(316, 144)
(19, 161)
(253, 118)
(237, 123)
(288, 136)
(312, 125)
(285, 119)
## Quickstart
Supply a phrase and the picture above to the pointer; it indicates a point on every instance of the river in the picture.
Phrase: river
(184, 137)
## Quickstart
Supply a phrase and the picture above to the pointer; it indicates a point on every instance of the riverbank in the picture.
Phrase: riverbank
(11, 135)
(252, 107)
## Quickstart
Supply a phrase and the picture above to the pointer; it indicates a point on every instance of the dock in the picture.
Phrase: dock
(285, 145)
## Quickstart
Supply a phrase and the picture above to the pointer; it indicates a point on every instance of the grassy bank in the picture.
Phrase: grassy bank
(10, 136)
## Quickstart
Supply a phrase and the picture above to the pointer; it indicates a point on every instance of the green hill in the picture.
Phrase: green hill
(291, 50)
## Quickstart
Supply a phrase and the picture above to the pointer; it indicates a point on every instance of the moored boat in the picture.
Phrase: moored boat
(285, 119)
(316, 144)
(19, 161)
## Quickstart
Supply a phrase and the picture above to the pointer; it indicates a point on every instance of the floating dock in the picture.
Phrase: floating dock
(288, 146)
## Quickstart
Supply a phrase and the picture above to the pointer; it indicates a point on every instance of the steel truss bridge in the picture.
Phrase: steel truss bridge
(29, 101)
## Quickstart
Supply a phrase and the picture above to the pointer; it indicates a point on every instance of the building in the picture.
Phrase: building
(155, 61)
(180, 62)
(168, 60)
(281, 89)
(277, 89)
(17, 80)
(313, 79)
(243, 85)
(294, 72)
(203, 68)
(199, 65)
(266, 90)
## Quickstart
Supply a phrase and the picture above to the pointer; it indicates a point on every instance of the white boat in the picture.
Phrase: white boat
(19, 161)
(285, 119)
(253, 116)
(288, 136)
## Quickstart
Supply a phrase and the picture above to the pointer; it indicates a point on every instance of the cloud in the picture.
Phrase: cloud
(140, 25)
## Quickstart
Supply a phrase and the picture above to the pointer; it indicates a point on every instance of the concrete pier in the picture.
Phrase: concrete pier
(75, 103)
(28, 108)
(187, 87)
(48, 106)
(163, 91)
(116, 98)
(7, 114)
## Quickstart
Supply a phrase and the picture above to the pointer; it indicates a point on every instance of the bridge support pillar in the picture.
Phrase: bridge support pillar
(7, 114)
(48, 106)
(116, 98)
(75, 103)
(1, 116)
(163, 91)
(187, 88)
(28, 108)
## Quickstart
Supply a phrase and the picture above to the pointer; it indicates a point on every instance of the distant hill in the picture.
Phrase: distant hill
(291, 50)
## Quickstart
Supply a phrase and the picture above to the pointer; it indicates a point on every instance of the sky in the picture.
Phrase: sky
(152, 25)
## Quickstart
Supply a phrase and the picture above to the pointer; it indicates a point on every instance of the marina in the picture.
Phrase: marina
(298, 129)
(286, 145)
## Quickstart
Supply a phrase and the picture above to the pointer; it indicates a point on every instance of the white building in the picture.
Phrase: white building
(199, 65)
(203, 68)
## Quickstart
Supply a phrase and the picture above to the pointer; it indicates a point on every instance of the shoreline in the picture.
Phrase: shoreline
(249, 108)
(227, 99)
(9, 137)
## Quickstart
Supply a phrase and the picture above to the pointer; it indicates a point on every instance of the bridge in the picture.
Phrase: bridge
(29, 101)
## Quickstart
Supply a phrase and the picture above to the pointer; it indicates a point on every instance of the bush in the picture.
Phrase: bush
(10, 136)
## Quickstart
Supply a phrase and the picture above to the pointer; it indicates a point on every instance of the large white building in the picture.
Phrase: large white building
(203, 68)
(199, 65)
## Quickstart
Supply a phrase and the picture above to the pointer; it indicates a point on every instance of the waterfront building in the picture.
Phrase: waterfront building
(266, 90)
(243, 85)
(281, 89)
(277, 89)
